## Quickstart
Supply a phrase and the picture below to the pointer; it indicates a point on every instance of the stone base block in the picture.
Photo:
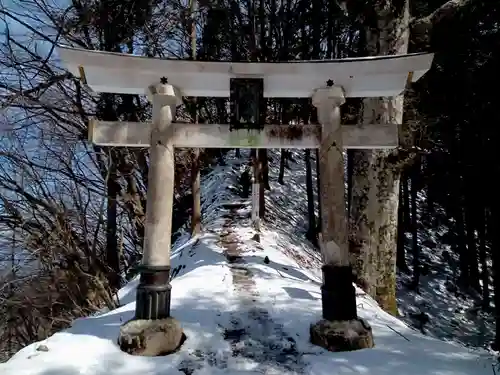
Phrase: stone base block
(342, 336)
(151, 338)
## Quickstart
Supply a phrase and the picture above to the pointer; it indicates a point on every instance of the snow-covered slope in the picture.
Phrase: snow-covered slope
(245, 306)
(450, 314)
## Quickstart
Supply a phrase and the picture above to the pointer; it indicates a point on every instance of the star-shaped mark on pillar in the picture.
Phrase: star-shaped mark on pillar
(329, 83)
(163, 80)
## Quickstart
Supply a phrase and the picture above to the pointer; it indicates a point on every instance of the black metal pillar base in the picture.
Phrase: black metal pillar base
(153, 293)
(338, 293)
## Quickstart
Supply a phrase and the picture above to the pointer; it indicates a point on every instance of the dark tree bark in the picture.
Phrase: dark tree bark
(470, 217)
(311, 232)
(406, 203)
(106, 111)
(429, 215)
(460, 243)
(414, 225)
(483, 256)
(195, 163)
(350, 169)
(495, 253)
(196, 192)
(265, 169)
(284, 119)
(262, 157)
(264, 56)
(112, 257)
(318, 229)
(401, 251)
(281, 175)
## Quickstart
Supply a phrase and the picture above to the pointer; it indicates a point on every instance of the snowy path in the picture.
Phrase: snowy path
(252, 332)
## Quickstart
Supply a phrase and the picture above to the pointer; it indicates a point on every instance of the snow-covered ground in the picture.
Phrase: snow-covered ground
(246, 307)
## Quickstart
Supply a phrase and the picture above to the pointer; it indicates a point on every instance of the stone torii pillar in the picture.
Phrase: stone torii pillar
(340, 329)
(153, 331)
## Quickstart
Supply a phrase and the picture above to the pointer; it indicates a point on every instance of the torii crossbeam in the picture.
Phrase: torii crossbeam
(247, 84)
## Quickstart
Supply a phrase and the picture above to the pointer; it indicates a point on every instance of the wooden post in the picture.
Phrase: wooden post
(338, 293)
(153, 292)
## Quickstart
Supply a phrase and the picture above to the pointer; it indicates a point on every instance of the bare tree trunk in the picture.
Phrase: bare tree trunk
(472, 254)
(196, 191)
(414, 225)
(311, 232)
(350, 169)
(495, 254)
(265, 169)
(406, 202)
(255, 193)
(401, 251)
(284, 117)
(10, 316)
(430, 216)
(318, 181)
(375, 193)
(470, 224)
(262, 156)
(460, 241)
(485, 275)
(281, 174)
(112, 258)
(195, 163)
(264, 56)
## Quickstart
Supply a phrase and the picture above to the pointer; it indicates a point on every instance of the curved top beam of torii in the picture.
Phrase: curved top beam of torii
(360, 77)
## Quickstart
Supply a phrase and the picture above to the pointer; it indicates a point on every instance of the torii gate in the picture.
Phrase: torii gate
(328, 82)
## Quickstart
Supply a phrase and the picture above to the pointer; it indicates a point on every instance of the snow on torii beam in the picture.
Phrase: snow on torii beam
(360, 77)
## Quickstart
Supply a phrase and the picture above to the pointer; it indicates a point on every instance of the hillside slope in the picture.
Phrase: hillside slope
(245, 306)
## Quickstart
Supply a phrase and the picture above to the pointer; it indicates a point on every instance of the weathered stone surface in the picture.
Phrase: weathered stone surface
(342, 336)
(151, 338)
(375, 175)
